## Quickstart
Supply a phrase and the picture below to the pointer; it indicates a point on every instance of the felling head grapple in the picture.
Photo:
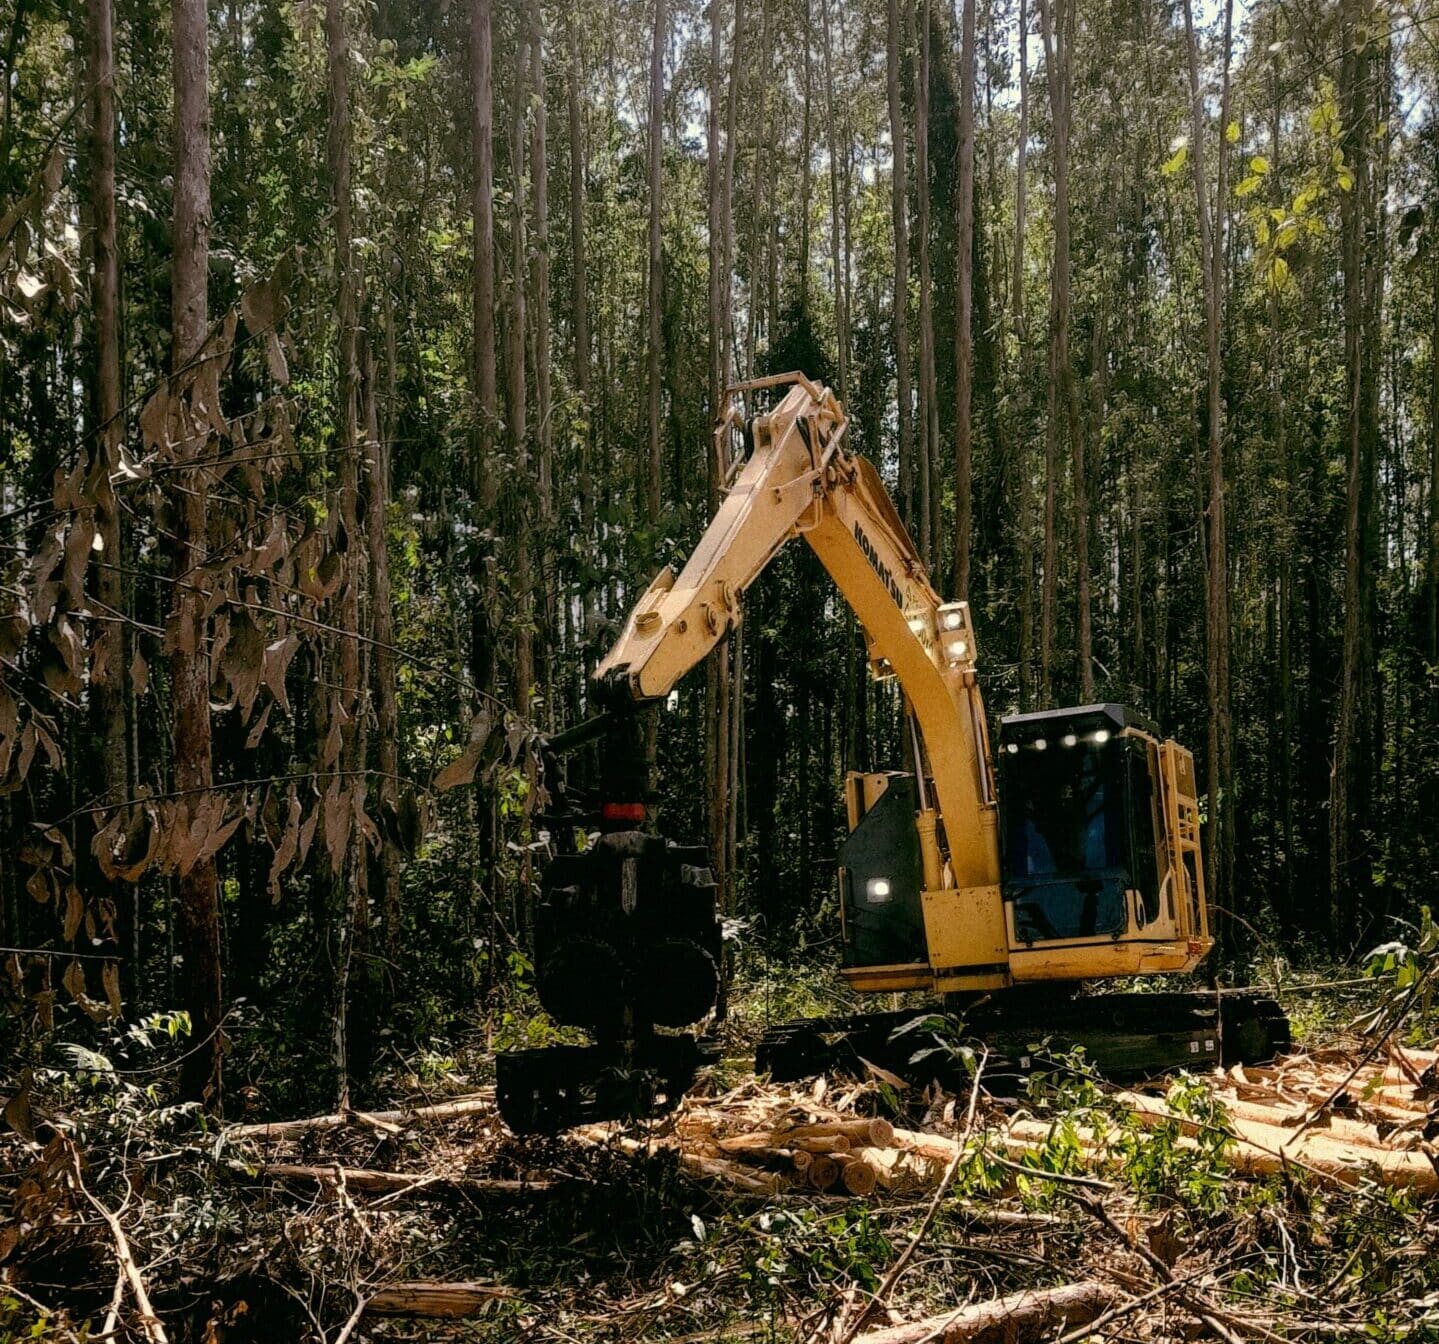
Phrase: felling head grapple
(627, 940)
(626, 936)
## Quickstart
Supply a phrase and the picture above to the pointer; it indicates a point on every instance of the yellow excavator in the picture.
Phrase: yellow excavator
(1000, 891)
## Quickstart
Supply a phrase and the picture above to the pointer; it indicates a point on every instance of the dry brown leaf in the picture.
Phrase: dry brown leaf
(307, 831)
(330, 750)
(257, 729)
(41, 886)
(74, 910)
(100, 656)
(9, 725)
(155, 418)
(17, 1111)
(338, 818)
(275, 544)
(29, 736)
(276, 664)
(289, 845)
(78, 542)
(110, 979)
(462, 769)
(242, 662)
(139, 672)
(74, 980)
(13, 629)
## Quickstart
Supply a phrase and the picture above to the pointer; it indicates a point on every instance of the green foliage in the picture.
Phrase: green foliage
(1180, 1159)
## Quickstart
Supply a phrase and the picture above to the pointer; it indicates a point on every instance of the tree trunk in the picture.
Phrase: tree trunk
(1211, 246)
(1351, 791)
(544, 430)
(806, 163)
(107, 668)
(964, 309)
(928, 400)
(382, 630)
(836, 213)
(1024, 502)
(349, 888)
(655, 287)
(717, 680)
(483, 481)
(580, 325)
(1052, 34)
(899, 204)
(199, 889)
(516, 419)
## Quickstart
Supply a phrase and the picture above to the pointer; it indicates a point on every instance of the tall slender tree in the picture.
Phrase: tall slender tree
(1211, 217)
(928, 387)
(105, 429)
(654, 287)
(964, 308)
(899, 201)
(349, 784)
(189, 658)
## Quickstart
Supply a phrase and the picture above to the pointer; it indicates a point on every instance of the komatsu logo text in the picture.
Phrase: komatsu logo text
(878, 565)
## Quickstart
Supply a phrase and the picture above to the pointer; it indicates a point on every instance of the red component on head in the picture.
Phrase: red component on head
(622, 812)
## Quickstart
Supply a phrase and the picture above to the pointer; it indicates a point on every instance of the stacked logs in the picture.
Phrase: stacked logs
(829, 1155)
(1340, 1120)
(822, 1155)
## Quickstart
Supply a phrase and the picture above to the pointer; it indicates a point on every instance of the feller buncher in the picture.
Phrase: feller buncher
(1004, 892)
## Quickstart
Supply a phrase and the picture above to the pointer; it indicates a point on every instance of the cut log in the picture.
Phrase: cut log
(425, 1298)
(1005, 1320)
(733, 1174)
(858, 1176)
(1348, 1165)
(876, 1133)
(390, 1182)
(476, 1103)
(823, 1172)
(935, 1147)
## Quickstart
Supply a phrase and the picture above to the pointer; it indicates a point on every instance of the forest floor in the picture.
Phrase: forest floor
(1296, 1203)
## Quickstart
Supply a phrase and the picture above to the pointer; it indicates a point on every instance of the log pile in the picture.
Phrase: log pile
(1316, 1113)
(766, 1140)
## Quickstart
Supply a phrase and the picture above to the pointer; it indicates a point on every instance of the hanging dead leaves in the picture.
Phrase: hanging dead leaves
(258, 592)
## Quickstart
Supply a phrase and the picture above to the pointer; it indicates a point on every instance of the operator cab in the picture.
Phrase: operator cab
(1079, 825)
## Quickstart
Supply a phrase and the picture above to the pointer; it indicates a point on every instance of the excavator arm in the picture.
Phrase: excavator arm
(799, 481)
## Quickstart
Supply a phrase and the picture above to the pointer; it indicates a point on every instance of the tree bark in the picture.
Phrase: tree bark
(382, 630)
(654, 289)
(349, 887)
(106, 427)
(717, 680)
(483, 482)
(836, 212)
(964, 309)
(544, 429)
(516, 409)
(1035, 1313)
(1211, 246)
(928, 398)
(899, 205)
(580, 323)
(1055, 61)
(199, 889)
(1351, 788)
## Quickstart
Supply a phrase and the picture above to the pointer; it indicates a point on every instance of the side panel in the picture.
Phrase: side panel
(964, 927)
(880, 881)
